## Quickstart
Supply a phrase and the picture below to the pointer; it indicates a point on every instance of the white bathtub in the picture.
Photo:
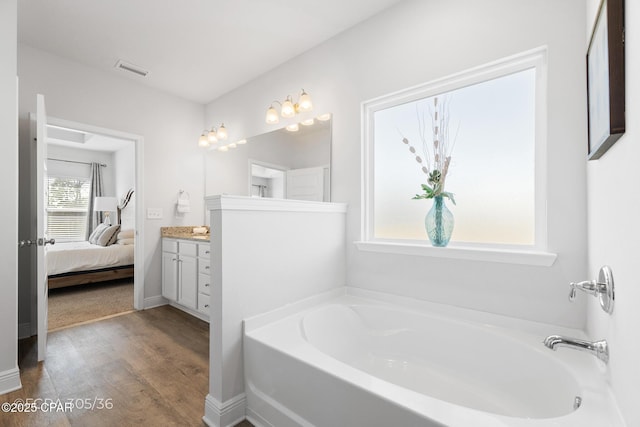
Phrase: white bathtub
(342, 360)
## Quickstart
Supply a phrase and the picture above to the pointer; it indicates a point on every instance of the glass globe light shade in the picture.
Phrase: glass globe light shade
(305, 102)
(288, 109)
(222, 133)
(272, 116)
(213, 138)
(203, 141)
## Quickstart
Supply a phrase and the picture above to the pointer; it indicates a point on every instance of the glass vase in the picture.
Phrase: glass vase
(439, 223)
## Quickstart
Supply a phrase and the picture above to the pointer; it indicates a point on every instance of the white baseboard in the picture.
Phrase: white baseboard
(24, 330)
(156, 301)
(10, 380)
(227, 414)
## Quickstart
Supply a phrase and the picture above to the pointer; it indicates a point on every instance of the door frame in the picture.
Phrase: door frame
(138, 140)
(274, 166)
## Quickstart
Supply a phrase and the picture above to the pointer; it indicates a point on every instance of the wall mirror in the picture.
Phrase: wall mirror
(282, 164)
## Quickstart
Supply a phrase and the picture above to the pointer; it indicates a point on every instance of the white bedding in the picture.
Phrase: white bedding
(83, 256)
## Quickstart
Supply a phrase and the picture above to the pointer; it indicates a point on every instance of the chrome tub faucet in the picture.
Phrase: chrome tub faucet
(600, 349)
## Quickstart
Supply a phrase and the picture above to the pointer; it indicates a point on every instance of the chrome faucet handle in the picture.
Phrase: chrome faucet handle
(588, 286)
(603, 289)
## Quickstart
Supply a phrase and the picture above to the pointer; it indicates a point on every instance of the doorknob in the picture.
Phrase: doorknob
(42, 242)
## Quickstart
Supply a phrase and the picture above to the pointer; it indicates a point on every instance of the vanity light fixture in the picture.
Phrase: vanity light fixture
(293, 127)
(212, 136)
(288, 108)
(307, 122)
(203, 141)
(222, 133)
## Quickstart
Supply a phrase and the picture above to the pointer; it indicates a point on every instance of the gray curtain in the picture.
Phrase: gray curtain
(97, 188)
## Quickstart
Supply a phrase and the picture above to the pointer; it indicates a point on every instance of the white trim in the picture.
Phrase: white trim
(10, 380)
(138, 140)
(535, 58)
(245, 203)
(224, 414)
(156, 301)
(508, 256)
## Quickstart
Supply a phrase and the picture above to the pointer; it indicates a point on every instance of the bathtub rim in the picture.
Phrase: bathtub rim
(594, 389)
(253, 323)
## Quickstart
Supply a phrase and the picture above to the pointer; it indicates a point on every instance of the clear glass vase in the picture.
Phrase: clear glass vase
(439, 223)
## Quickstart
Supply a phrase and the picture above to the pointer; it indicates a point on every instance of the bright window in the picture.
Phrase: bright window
(67, 207)
(496, 128)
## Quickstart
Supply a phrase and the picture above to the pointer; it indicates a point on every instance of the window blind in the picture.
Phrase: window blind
(67, 207)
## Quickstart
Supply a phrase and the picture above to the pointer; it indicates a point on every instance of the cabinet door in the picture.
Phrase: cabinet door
(170, 276)
(188, 282)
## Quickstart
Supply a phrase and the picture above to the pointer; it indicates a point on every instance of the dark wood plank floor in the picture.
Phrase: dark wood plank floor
(152, 365)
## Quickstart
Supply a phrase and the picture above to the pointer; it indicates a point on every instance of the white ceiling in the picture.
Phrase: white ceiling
(196, 49)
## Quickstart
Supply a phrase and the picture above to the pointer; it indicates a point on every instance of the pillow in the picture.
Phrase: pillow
(108, 236)
(97, 232)
(128, 241)
(126, 234)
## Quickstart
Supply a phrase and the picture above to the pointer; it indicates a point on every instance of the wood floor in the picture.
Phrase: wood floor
(152, 366)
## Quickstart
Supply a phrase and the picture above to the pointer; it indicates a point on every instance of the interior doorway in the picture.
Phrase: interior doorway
(73, 147)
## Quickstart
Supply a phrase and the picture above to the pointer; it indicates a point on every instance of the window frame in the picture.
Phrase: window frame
(536, 254)
(85, 179)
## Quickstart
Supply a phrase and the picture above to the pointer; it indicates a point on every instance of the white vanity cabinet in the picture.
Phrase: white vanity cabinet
(204, 277)
(180, 272)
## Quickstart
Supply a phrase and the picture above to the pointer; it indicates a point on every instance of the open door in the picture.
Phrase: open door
(306, 184)
(42, 238)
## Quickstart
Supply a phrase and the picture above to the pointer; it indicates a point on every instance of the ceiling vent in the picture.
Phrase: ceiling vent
(126, 66)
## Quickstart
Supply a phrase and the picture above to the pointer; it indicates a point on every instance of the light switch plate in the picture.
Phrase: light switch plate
(154, 213)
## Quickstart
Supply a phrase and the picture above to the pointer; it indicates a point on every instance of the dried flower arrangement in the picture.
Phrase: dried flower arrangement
(436, 151)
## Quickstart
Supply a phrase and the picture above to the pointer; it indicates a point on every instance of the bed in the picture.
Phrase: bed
(79, 263)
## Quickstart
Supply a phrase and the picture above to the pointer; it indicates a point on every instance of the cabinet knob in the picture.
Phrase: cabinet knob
(206, 285)
(206, 305)
(207, 252)
(206, 267)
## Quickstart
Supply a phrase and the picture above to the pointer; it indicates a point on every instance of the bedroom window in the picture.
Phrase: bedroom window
(67, 207)
(495, 118)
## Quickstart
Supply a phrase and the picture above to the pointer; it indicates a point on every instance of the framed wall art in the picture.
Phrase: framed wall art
(605, 79)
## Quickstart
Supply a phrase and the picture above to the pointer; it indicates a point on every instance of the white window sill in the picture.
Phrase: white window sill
(509, 256)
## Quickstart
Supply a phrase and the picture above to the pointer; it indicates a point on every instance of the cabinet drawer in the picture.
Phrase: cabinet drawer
(204, 250)
(204, 266)
(203, 304)
(169, 245)
(204, 284)
(188, 249)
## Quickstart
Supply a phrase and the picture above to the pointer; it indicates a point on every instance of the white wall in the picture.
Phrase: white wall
(614, 229)
(9, 377)
(257, 266)
(170, 127)
(415, 42)
(125, 168)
